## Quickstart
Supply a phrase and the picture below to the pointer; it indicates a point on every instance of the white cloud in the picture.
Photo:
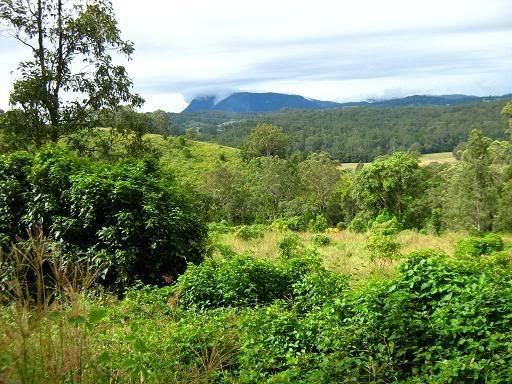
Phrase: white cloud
(326, 49)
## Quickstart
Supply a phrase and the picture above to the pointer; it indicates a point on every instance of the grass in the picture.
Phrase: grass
(191, 160)
(426, 159)
(347, 252)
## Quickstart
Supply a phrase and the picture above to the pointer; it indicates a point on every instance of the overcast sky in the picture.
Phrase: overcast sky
(331, 50)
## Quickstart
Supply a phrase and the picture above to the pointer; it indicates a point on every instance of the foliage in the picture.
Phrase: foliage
(289, 245)
(382, 244)
(318, 224)
(250, 232)
(393, 184)
(53, 98)
(265, 140)
(239, 281)
(479, 246)
(358, 134)
(127, 218)
(473, 189)
(319, 176)
(321, 240)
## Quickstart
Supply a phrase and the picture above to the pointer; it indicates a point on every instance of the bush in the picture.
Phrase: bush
(289, 245)
(383, 247)
(478, 246)
(386, 225)
(359, 224)
(318, 224)
(239, 281)
(127, 219)
(321, 240)
(250, 232)
(294, 223)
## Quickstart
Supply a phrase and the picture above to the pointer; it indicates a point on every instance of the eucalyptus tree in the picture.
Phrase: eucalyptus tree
(71, 75)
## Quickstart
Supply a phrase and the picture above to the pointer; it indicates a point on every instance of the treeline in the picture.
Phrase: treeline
(472, 194)
(357, 134)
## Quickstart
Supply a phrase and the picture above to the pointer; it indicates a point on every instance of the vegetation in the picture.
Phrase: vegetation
(126, 218)
(132, 257)
(357, 134)
(51, 98)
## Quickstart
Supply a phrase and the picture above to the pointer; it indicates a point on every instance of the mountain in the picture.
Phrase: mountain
(257, 102)
(272, 102)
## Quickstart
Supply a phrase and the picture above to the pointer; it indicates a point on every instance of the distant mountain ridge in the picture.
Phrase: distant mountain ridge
(272, 102)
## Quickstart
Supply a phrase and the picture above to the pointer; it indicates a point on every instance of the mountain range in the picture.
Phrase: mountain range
(271, 102)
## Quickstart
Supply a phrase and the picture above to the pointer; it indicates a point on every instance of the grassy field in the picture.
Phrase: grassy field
(347, 252)
(428, 158)
(190, 159)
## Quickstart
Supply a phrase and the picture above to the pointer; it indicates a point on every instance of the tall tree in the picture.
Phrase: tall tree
(265, 140)
(391, 183)
(473, 190)
(71, 75)
(318, 176)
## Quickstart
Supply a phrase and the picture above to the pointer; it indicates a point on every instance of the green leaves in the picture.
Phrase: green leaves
(53, 99)
(127, 220)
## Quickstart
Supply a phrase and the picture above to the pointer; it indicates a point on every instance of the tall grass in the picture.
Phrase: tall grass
(46, 335)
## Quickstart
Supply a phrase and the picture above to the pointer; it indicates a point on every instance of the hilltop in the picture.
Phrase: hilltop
(272, 102)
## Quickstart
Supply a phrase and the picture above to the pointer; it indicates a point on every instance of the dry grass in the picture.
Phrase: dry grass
(347, 252)
(426, 159)
(43, 334)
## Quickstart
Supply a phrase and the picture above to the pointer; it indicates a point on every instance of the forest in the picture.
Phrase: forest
(355, 134)
(134, 253)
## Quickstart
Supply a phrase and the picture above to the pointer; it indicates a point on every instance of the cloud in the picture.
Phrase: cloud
(326, 49)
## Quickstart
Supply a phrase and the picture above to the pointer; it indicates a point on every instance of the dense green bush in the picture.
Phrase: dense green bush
(318, 224)
(127, 219)
(320, 240)
(240, 281)
(478, 246)
(289, 245)
(250, 232)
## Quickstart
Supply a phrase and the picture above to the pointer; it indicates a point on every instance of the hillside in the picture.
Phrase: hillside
(190, 160)
(257, 102)
(272, 102)
(355, 134)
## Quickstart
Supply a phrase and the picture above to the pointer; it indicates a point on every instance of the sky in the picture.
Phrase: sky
(335, 50)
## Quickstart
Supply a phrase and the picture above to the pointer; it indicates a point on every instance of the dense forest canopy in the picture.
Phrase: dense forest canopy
(354, 134)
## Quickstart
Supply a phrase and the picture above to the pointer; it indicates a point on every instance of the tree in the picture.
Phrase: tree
(274, 181)
(473, 190)
(265, 140)
(507, 112)
(160, 122)
(229, 194)
(127, 218)
(390, 184)
(318, 175)
(71, 75)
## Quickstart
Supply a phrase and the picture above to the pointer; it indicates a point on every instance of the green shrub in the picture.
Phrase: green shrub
(146, 300)
(321, 240)
(294, 223)
(359, 224)
(221, 227)
(238, 281)
(383, 247)
(250, 232)
(318, 224)
(385, 224)
(127, 219)
(289, 245)
(478, 246)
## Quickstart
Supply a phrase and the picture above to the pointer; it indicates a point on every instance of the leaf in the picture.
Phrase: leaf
(78, 319)
(54, 315)
(103, 357)
(97, 315)
(129, 363)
